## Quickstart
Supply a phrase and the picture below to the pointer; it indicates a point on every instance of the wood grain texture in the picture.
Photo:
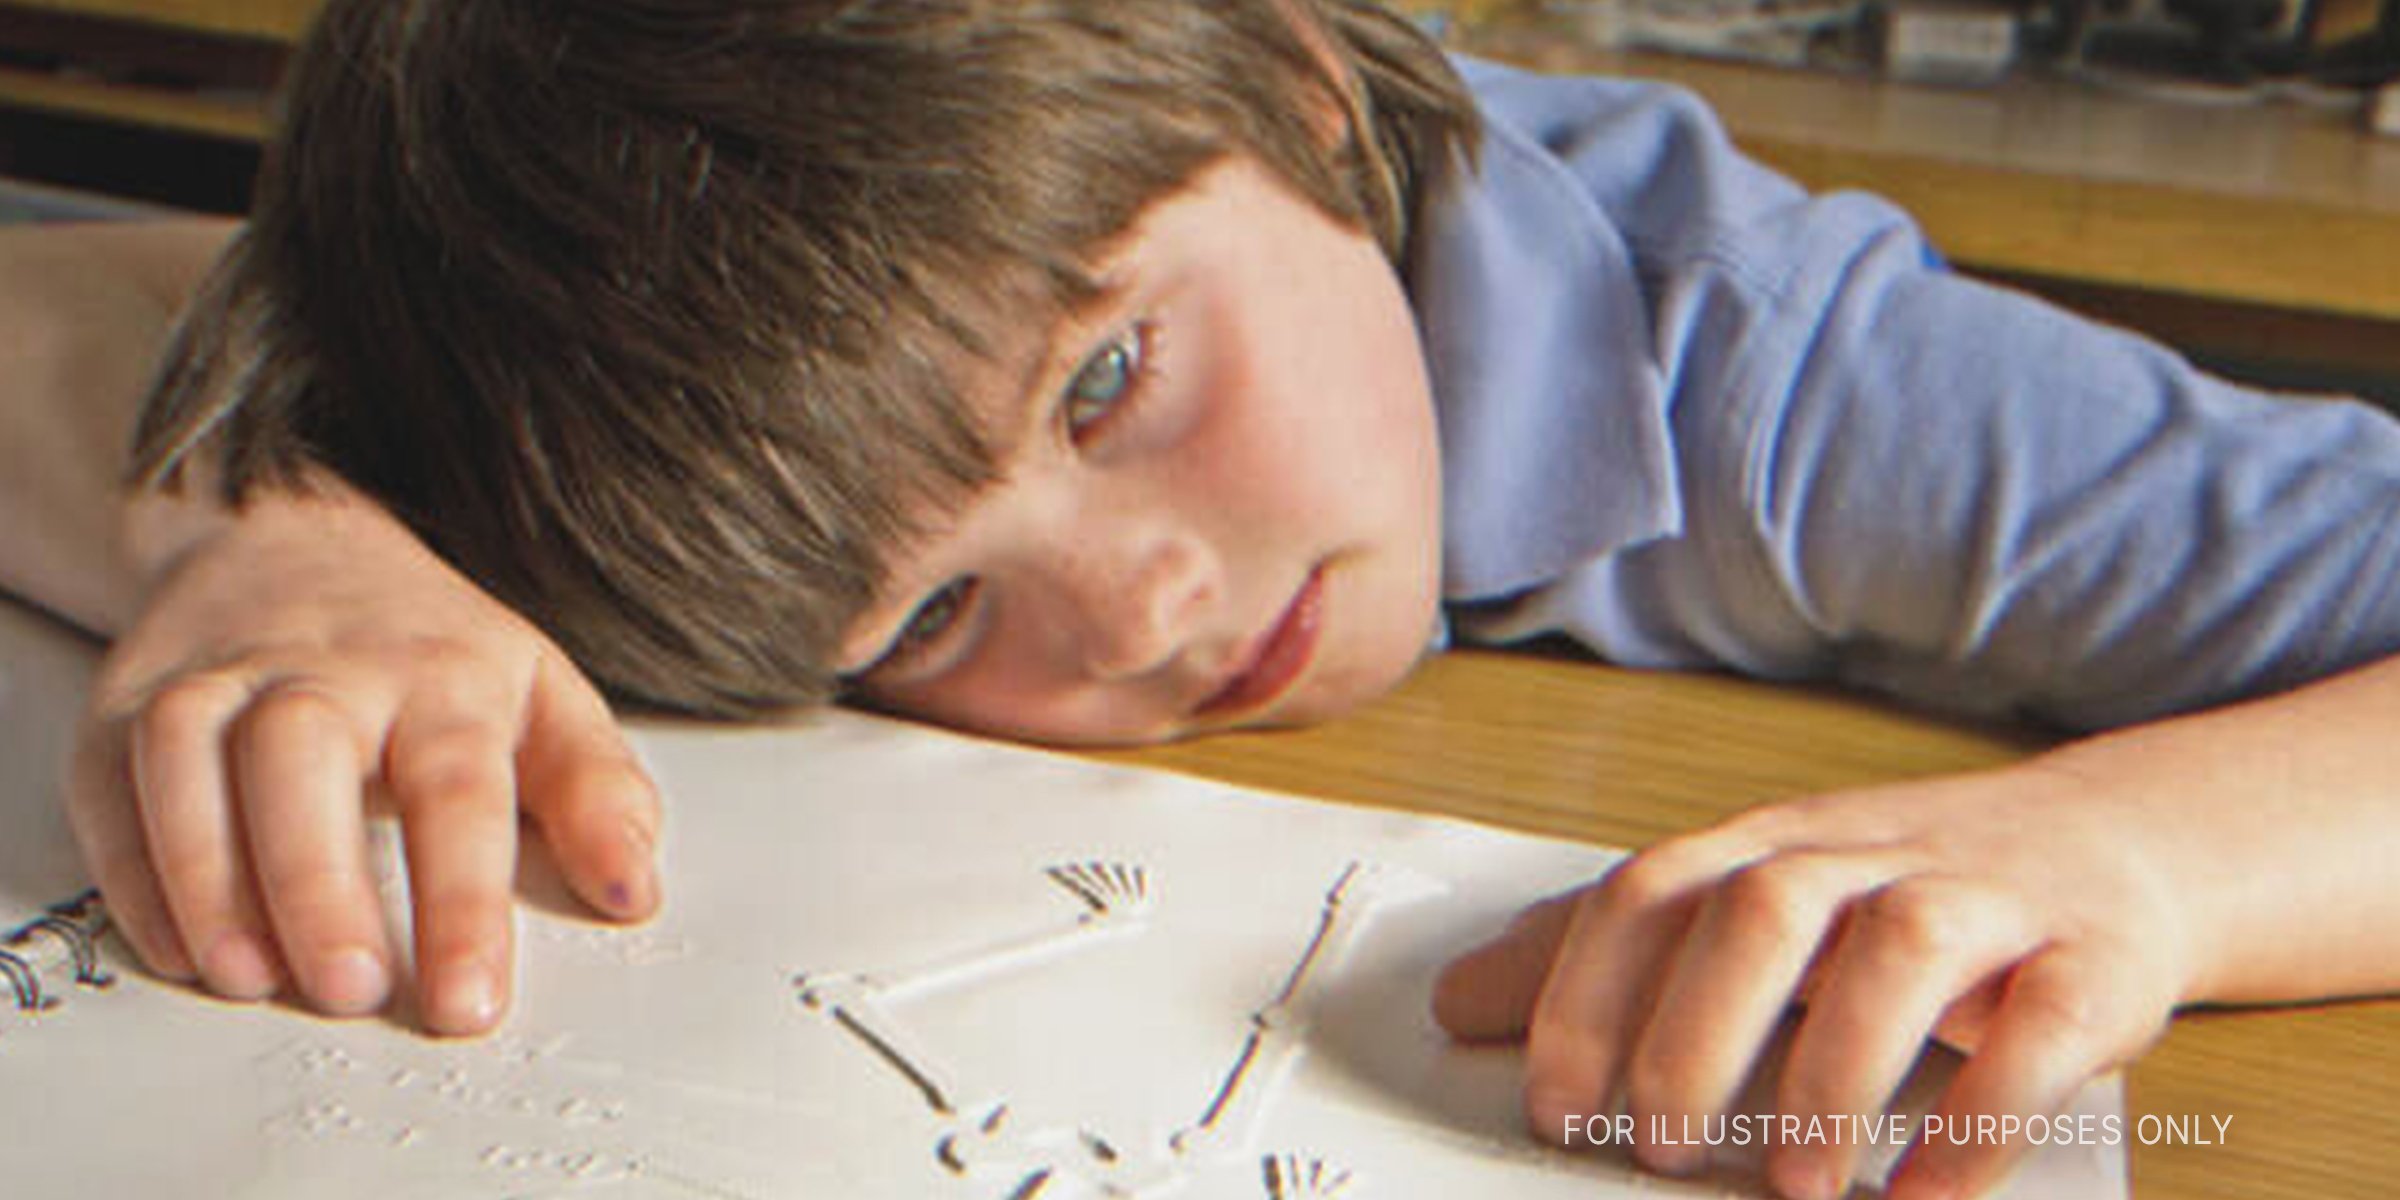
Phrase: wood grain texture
(279, 20)
(147, 107)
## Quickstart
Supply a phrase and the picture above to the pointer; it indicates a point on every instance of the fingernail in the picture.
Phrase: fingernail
(1550, 1106)
(466, 1000)
(631, 895)
(1915, 1183)
(173, 965)
(238, 970)
(352, 982)
(1677, 1161)
(1809, 1183)
(1674, 1157)
(638, 836)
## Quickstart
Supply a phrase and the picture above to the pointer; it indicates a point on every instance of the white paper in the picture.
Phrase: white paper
(894, 963)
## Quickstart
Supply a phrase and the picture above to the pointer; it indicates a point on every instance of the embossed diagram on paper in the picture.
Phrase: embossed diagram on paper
(990, 1150)
(517, 1117)
(520, 1115)
(346, 1100)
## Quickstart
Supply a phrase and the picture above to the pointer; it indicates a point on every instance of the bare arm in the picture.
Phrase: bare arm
(84, 311)
(2279, 820)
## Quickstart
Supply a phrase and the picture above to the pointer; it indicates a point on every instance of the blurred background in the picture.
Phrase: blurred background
(2223, 174)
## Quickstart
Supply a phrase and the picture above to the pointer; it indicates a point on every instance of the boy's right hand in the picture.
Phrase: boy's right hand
(294, 668)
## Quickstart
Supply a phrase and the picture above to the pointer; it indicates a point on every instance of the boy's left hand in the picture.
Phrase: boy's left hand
(300, 665)
(2022, 915)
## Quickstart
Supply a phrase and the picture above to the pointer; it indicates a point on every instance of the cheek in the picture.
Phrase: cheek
(1372, 426)
(1321, 418)
(1018, 688)
(984, 695)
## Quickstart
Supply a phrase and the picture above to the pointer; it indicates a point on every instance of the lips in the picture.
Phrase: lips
(1280, 658)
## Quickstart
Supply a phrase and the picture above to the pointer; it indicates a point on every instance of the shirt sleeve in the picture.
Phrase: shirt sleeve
(1900, 478)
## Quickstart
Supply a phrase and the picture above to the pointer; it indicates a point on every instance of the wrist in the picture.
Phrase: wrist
(163, 528)
(160, 528)
(2180, 854)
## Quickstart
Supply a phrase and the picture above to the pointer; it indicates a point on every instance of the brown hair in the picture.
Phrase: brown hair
(647, 313)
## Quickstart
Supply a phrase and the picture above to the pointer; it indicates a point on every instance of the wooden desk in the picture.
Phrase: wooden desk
(1579, 750)
(225, 54)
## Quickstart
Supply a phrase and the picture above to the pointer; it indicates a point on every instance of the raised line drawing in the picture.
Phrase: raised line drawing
(522, 1116)
(1291, 1177)
(1117, 899)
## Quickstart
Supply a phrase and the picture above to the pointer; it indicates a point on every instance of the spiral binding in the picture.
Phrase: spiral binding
(77, 925)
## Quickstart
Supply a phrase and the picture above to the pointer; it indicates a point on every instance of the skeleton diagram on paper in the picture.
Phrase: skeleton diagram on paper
(1116, 899)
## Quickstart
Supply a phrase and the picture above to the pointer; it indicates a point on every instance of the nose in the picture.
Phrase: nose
(1139, 596)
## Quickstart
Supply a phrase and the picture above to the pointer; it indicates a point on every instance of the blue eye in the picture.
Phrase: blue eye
(932, 619)
(1103, 381)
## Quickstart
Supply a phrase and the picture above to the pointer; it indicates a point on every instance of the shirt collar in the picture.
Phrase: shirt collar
(1550, 403)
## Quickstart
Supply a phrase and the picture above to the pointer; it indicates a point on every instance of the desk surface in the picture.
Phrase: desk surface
(1580, 750)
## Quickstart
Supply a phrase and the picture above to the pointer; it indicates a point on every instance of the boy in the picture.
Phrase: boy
(1139, 368)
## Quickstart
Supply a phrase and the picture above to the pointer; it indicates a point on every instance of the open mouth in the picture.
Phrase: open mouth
(1281, 657)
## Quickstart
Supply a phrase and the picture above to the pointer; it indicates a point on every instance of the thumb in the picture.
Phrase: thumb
(1487, 994)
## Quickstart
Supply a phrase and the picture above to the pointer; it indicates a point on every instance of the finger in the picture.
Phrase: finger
(297, 763)
(193, 834)
(1621, 936)
(108, 830)
(582, 785)
(1736, 972)
(452, 779)
(2067, 1014)
(1488, 993)
(1905, 956)
(1962, 1025)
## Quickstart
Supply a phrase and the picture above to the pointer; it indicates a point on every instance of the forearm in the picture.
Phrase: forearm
(2277, 822)
(84, 312)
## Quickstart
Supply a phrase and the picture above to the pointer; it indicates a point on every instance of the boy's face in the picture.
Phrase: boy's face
(1222, 507)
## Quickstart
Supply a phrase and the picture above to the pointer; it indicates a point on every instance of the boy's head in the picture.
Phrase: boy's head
(698, 329)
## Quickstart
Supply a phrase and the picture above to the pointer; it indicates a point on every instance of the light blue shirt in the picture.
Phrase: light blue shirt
(1694, 417)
